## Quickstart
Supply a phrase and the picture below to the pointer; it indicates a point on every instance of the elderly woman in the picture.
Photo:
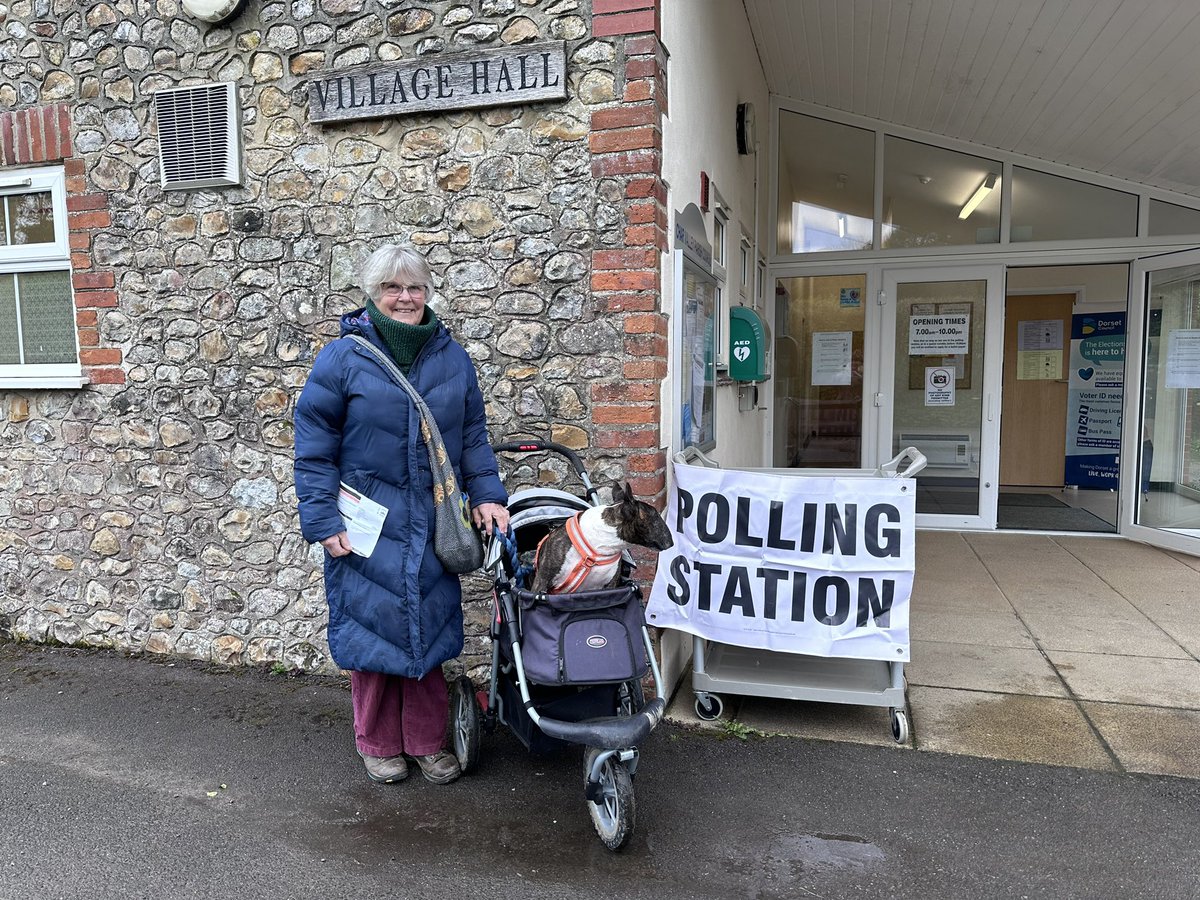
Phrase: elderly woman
(394, 616)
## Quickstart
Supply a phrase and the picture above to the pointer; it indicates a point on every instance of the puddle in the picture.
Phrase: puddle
(801, 854)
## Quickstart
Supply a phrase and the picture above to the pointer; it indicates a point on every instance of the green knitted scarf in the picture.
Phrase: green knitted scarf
(403, 341)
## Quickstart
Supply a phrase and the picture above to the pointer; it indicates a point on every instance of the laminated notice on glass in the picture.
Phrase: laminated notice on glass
(1183, 358)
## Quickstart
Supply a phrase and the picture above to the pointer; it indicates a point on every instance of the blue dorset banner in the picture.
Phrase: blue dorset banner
(1094, 400)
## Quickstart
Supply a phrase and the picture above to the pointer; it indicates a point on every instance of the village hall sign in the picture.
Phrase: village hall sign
(496, 76)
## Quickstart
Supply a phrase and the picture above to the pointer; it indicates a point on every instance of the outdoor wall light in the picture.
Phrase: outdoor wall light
(213, 11)
(746, 136)
(989, 184)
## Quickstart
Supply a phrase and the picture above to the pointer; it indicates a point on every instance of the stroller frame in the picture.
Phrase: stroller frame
(610, 718)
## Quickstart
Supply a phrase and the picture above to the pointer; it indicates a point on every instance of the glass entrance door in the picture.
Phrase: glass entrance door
(942, 340)
(1163, 489)
(820, 326)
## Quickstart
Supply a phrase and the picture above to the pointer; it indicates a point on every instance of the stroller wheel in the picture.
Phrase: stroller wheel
(630, 698)
(465, 723)
(613, 812)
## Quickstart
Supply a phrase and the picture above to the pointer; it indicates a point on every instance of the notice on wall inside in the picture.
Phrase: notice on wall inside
(850, 298)
(815, 565)
(1183, 358)
(1040, 334)
(1094, 399)
(939, 386)
(1039, 350)
(1039, 365)
(939, 335)
(831, 354)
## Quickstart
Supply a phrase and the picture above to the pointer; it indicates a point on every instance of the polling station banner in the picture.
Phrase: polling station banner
(820, 565)
(1095, 397)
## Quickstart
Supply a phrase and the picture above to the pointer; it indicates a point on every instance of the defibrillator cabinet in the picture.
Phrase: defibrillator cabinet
(747, 345)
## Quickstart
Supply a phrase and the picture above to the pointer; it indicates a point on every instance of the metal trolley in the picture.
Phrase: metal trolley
(727, 669)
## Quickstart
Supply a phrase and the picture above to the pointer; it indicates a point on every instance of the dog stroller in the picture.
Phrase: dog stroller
(566, 668)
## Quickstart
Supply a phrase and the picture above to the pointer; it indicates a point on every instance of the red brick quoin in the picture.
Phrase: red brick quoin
(625, 141)
(42, 136)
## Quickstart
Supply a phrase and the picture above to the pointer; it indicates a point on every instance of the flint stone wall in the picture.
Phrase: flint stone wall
(158, 515)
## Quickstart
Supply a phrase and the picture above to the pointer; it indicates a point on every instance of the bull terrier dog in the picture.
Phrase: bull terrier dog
(585, 553)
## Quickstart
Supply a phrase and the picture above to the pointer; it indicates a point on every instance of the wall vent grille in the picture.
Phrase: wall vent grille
(199, 141)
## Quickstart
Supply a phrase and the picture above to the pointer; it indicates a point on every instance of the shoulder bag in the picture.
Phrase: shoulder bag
(456, 542)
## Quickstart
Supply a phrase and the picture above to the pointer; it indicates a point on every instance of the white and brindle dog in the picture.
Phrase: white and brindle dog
(585, 553)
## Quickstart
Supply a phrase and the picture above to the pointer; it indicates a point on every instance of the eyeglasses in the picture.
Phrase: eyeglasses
(413, 290)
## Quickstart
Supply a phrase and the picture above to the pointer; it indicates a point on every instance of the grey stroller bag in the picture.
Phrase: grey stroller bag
(592, 637)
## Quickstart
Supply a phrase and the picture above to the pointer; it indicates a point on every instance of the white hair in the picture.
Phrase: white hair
(399, 263)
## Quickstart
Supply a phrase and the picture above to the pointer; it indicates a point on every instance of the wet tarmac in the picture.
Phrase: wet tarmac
(135, 778)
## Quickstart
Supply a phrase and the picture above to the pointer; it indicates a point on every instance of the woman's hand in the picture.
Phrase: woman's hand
(337, 544)
(485, 514)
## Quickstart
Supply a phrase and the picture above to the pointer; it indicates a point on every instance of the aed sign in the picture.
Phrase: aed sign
(496, 76)
(747, 345)
(820, 565)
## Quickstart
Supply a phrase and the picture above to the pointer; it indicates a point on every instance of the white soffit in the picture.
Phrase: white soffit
(1109, 86)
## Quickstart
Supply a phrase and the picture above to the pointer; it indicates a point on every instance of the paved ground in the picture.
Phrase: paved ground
(131, 778)
(1076, 651)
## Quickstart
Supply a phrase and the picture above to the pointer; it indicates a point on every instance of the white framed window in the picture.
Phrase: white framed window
(39, 346)
(746, 269)
(760, 283)
(720, 267)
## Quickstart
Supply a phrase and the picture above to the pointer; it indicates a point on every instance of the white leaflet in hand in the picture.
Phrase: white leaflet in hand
(363, 517)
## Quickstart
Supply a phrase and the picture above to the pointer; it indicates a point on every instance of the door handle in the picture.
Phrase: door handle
(989, 407)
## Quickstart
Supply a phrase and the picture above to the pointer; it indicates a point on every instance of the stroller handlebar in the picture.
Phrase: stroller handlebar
(536, 445)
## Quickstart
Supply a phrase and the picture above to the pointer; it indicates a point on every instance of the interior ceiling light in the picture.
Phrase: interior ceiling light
(981, 192)
(213, 11)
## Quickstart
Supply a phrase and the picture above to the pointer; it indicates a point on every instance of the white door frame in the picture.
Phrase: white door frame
(1135, 363)
(993, 348)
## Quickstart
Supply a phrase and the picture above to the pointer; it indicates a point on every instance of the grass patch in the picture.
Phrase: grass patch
(732, 728)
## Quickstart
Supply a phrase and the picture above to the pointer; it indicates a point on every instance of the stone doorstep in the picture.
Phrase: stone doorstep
(1148, 739)
(1108, 737)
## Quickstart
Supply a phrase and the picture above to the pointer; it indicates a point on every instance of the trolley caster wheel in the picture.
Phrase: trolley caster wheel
(465, 719)
(900, 726)
(614, 811)
(709, 707)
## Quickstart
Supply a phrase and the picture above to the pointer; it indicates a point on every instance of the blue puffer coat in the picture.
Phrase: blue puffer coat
(397, 611)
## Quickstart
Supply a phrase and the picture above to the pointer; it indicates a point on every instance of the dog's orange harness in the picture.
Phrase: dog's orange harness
(588, 558)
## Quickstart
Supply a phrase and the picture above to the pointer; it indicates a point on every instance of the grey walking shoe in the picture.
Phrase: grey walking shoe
(385, 769)
(440, 767)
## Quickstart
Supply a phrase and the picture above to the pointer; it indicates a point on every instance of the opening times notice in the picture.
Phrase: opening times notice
(939, 335)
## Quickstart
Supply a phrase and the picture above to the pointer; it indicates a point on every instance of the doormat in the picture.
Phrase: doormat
(1051, 518)
(1007, 499)
(947, 501)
